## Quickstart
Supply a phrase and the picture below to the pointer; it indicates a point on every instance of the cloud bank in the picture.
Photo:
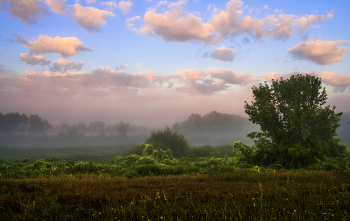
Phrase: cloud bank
(144, 98)
(176, 24)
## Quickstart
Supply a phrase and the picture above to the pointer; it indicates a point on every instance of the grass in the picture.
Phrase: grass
(241, 195)
(209, 184)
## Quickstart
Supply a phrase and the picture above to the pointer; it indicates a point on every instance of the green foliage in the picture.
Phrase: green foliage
(168, 139)
(335, 148)
(208, 150)
(293, 122)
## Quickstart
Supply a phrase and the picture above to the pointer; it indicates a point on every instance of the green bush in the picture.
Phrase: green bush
(168, 139)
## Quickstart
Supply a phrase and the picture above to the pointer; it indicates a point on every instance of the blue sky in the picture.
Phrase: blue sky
(156, 62)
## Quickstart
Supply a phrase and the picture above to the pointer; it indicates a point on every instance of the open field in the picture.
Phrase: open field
(241, 195)
(143, 183)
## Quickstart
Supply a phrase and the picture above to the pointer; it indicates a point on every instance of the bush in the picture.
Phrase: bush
(168, 139)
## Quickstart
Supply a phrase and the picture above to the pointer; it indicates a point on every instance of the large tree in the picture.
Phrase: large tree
(122, 128)
(37, 125)
(293, 123)
(12, 122)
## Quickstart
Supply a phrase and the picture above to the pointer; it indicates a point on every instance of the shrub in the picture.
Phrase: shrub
(168, 139)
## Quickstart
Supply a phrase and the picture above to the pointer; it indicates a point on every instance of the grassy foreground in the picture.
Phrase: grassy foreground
(241, 195)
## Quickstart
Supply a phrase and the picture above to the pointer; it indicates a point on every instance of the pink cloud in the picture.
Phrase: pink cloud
(67, 46)
(32, 59)
(26, 10)
(320, 52)
(229, 77)
(63, 65)
(176, 24)
(125, 6)
(173, 28)
(56, 6)
(89, 18)
(138, 98)
(222, 53)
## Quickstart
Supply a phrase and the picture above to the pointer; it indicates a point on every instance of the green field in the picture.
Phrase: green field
(85, 183)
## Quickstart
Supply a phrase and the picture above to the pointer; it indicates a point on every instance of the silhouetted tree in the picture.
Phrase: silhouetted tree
(37, 125)
(96, 127)
(10, 122)
(65, 127)
(122, 128)
(81, 127)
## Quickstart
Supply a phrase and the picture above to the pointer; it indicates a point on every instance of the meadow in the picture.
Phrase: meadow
(210, 183)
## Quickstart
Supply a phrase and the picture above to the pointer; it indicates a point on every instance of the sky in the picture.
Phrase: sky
(153, 63)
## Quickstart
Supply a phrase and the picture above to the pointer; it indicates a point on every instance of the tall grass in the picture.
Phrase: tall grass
(241, 195)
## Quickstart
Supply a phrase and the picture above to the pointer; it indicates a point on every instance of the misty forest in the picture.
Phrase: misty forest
(289, 160)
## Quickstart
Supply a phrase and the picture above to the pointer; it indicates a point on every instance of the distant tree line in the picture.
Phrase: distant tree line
(20, 124)
(213, 122)
(100, 128)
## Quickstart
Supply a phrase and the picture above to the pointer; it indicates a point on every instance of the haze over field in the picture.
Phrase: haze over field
(153, 63)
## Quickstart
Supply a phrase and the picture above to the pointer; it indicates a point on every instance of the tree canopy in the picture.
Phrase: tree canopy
(293, 123)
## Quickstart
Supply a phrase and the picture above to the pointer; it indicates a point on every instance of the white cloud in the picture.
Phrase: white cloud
(318, 51)
(90, 1)
(63, 65)
(68, 46)
(26, 10)
(125, 6)
(138, 65)
(89, 18)
(56, 6)
(222, 53)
